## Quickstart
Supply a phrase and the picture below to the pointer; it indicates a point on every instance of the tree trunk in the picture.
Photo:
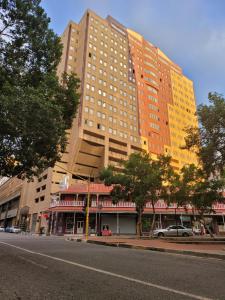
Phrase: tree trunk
(153, 221)
(206, 227)
(139, 223)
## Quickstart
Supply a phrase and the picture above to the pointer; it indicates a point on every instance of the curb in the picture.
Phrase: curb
(174, 251)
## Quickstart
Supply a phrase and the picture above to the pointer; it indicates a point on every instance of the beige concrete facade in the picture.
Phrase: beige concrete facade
(106, 128)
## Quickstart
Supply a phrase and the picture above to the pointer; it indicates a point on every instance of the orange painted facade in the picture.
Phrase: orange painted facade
(154, 71)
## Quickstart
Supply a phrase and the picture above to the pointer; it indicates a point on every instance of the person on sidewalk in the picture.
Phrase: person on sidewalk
(202, 229)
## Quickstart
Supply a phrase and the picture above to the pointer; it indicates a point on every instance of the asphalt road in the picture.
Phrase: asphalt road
(51, 268)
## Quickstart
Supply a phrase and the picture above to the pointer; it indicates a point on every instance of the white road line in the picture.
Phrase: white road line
(33, 262)
(160, 287)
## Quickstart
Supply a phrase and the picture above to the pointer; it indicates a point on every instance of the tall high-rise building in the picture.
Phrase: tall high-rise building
(133, 97)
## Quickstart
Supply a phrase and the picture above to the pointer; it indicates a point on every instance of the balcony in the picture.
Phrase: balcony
(94, 204)
(108, 204)
(66, 204)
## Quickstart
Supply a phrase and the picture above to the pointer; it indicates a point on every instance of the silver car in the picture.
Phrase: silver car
(2, 229)
(13, 229)
(173, 230)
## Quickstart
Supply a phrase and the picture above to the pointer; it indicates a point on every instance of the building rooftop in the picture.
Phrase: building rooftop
(94, 188)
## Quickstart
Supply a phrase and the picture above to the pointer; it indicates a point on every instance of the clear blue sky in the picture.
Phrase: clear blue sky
(190, 32)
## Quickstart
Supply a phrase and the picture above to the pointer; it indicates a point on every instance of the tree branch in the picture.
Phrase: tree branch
(6, 34)
(6, 26)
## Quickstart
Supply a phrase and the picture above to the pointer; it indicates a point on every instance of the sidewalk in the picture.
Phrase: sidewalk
(210, 249)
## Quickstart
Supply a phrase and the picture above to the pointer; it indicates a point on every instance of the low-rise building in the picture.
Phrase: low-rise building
(67, 213)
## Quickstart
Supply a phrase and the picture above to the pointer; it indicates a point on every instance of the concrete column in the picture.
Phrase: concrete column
(56, 223)
(6, 213)
(0, 212)
(106, 152)
(117, 224)
(128, 148)
(52, 223)
(74, 222)
(96, 215)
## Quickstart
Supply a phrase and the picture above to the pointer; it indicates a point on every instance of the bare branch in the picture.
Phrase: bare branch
(6, 26)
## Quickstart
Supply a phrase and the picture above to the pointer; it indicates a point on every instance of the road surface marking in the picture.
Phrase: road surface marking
(33, 262)
(146, 283)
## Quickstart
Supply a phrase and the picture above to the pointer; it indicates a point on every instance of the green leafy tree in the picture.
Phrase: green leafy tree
(130, 185)
(205, 193)
(35, 107)
(194, 187)
(140, 181)
(160, 177)
(181, 186)
(208, 141)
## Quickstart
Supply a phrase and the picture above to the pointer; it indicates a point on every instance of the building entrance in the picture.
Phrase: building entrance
(80, 227)
(69, 225)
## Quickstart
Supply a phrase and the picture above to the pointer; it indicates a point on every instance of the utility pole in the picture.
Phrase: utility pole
(87, 210)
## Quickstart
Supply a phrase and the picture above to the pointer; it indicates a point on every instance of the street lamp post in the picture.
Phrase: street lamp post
(87, 211)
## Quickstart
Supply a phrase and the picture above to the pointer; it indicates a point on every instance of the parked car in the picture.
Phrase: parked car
(13, 229)
(106, 231)
(2, 229)
(173, 230)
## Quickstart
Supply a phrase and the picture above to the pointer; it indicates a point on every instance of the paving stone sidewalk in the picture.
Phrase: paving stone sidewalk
(210, 249)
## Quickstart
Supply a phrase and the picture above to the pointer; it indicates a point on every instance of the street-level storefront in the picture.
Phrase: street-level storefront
(67, 214)
(9, 211)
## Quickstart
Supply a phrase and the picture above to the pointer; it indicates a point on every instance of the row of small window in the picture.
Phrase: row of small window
(137, 58)
(151, 89)
(105, 45)
(153, 107)
(155, 126)
(151, 80)
(153, 116)
(150, 72)
(103, 72)
(110, 130)
(94, 38)
(43, 178)
(152, 98)
(93, 20)
(114, 42)
(103, 53)
(150, 57)
(41, 188)
(74, 30)
(150, 64)
(150, 50)
(131, 38)
(42, 198)
(92, 46)
(103, 104)
(113, 88)
(104, 27)
(92, 100)
(113, 108)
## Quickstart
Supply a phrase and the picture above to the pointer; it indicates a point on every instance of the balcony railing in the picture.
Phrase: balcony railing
(94, 204)
(66, 203)
(124, 204)
(106, 204)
